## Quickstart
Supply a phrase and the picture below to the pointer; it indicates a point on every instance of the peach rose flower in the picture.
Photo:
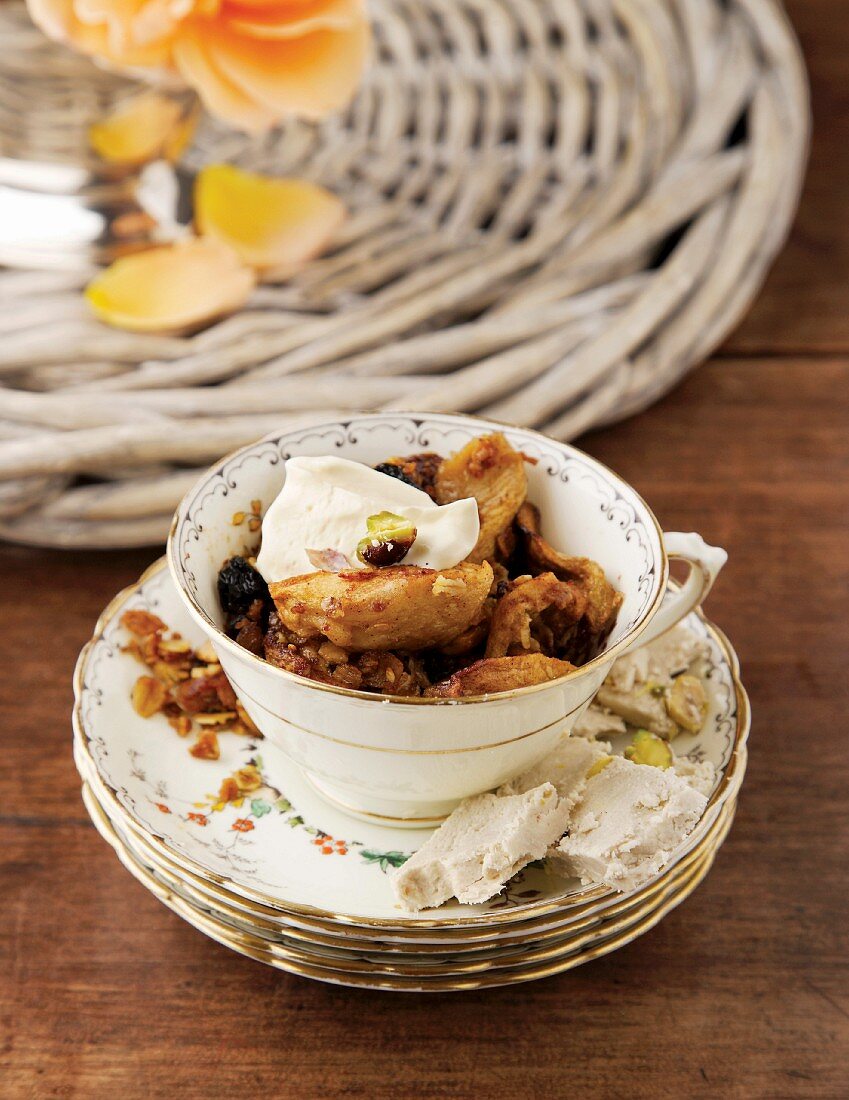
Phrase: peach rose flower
(253, 62)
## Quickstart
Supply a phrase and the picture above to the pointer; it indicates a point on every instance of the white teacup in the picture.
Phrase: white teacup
(410, 760)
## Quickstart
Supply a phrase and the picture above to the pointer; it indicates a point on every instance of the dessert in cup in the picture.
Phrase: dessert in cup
(422, 632)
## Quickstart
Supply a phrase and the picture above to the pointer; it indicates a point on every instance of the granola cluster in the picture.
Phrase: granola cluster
(187, 685)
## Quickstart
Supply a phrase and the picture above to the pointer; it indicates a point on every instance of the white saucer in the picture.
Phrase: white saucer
(284, 846)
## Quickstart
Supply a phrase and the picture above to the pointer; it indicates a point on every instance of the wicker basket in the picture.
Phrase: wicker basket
(557, 208)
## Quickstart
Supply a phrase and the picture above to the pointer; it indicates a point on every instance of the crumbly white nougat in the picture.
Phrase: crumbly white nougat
(624, 695)
(481, 845)
(673, 652)
(627, 824)
(565, 767)
(640, 708)
(701, 777)
(597, 722)
(660, 660)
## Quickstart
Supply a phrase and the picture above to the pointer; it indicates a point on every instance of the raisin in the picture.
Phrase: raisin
(239, 585)
(438, 666)
(396, 471)
(207, 694)
(418, 470)
(250, 636)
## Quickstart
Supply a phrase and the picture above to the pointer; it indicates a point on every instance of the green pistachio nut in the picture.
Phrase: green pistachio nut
(388, 540)
(647, 748)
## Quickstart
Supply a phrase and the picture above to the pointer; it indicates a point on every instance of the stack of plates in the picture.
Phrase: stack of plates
(290, 881)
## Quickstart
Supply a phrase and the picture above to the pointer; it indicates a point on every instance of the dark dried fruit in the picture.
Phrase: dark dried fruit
(379, 554)
(393, 470)
(388, 540)
(239, 585)
(250, 636)
(416, 470)
(206, 695)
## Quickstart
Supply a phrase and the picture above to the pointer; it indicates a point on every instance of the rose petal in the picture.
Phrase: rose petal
(59, 20)
(182, 134)
(220, 95)
(307, 76)
(275, 225)
(281, 20)
(329, 561)
(137, 130)
(171, 289)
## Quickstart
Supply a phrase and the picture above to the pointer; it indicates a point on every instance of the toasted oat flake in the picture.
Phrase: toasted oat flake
(181, 723)
(248, 779)
(201, 672)
(229, 790)
(245, 720)
(175, 685)
(169, 673)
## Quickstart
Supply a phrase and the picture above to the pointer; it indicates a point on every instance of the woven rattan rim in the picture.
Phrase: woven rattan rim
(558, 208)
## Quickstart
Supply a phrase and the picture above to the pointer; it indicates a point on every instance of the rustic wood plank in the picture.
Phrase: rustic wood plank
(804, 305)
(740, 993)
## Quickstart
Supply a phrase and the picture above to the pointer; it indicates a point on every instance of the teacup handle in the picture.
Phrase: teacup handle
(705, 564)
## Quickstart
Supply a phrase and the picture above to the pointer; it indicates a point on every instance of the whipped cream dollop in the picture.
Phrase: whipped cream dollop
(325, 504)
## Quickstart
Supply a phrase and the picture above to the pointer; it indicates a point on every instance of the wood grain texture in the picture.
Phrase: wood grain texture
(803, 307)
(742, 992)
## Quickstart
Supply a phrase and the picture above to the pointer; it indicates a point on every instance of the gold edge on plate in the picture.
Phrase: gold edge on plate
(461, 937)
(272, 921)
(627, 904)
(505, 969)
(722, 793)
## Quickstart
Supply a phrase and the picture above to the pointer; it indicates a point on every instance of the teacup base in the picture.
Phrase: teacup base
(398, 815)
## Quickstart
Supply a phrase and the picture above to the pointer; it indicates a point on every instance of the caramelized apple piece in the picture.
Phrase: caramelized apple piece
(525, 600)
(492, 472)
(401, 607)
(500, 674)
(603, 601)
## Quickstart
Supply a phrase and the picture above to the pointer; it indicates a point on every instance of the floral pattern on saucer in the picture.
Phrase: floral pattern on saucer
(275, 841)
(252, 807)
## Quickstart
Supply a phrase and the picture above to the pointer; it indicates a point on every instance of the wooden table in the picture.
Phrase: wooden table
(742, 992)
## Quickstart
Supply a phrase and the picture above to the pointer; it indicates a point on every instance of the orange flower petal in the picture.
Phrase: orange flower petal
(281, 20)
(275, 225)
(138, 130)
(182, 134)
(59, 19)
(307, 76)
(172, 289)
(219, 94)
(134, 23)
